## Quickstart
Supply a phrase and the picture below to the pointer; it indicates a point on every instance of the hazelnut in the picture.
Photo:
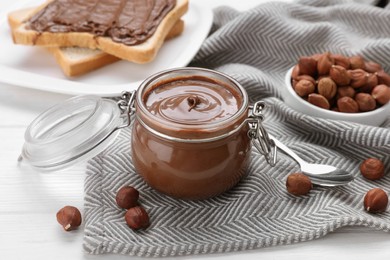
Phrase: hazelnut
(372, 67)
(127, 197)
(307, 66)
(345, 91)
(337, 79)
(137, 218)
(295, 72)
(327, 87)
(372, 81)
(365, 102)
(304, 88)
(383, 77)
(69, 217)
(306, 77)
(318, 100)
(339, 75)
(347, 105)
(357, 62)
(341, 60)
(324, 63)
(381, 94)
(376, 200)
(298, 184)
(358, 77)
(372, 169)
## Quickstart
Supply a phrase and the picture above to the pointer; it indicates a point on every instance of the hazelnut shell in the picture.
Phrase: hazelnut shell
(372, 169)
(365, 102)
(372, 67)
(298, 184)
(372, 81)
(307, 66)
(381, 94)
(327, 87)
(295, 72)
(69, 217)
(339, 75)
(324, 63)
(359, 78)
(357, 62)
(306, 77)
(347, 105)
(376, 200)
(304, 88)
(127, 197)
(137, 218)
(341, 60)
(318, 100)
(383, 77)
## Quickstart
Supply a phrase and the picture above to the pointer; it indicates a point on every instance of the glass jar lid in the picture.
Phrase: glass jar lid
(72, 131)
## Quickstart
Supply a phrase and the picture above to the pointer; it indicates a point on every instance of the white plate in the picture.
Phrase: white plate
(33, 67)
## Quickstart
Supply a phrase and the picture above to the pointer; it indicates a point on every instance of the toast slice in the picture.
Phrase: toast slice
(140, 53)
(76, 61)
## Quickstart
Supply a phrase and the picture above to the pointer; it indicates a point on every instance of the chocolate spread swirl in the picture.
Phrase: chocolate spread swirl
(130, 22)
(192, 101)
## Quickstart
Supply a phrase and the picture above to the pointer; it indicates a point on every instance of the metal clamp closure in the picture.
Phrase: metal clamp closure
(258, 134)
(126, 105)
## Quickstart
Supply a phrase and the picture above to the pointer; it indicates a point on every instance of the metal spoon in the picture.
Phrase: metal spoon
(320, 174)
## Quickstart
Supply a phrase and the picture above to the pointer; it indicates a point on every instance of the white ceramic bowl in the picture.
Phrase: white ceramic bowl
(375, 117)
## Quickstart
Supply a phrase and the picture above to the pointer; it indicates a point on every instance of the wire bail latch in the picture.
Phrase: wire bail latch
(258, 134)
(126, 105)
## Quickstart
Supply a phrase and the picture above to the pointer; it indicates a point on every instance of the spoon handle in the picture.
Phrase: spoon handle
(288, 151)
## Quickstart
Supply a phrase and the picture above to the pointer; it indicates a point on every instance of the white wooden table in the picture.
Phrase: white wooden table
(29, 200)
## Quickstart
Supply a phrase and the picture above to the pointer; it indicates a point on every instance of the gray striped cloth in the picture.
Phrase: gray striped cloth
(257, 47)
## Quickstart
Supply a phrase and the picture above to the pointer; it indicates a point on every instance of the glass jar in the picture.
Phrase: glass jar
(194, 148)
(191, 159)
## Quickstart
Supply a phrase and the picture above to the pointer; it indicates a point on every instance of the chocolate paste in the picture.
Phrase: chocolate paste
(129, 22)
(193, 101)
(183, 169)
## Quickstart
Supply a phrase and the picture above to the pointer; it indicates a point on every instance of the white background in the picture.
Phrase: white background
(29, 200)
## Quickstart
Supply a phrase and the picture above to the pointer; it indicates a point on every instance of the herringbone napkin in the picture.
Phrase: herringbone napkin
(257, 47)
